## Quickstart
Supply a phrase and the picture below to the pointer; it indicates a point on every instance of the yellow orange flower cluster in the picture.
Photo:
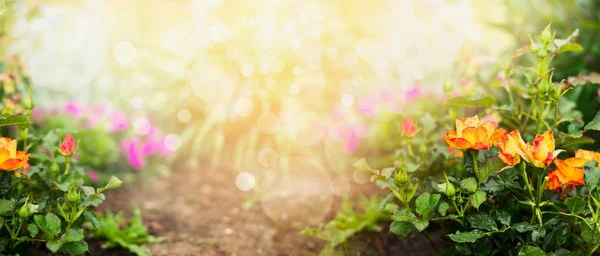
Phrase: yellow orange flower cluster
(10, 158)
(569, 172)
(473, 133)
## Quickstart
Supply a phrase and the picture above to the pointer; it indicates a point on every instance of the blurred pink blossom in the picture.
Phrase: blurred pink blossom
(97, 114)
(132, 149)
(93, 176)
(73, 109)
(119, 122)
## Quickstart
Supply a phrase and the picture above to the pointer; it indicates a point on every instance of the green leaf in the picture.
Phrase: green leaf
(92, 217)
(53, 223)
(362, 165)
(403, 229)
(20, 120)
(33, 229)
(503, 217)
(570, 47)
(420, 224)
(88, 190)
(40, 221)
(461, 101)
(74, 235)
(491, 165)
(591, 236)
(113, 183)
(426, 203)
(531, 251)
(443, 208)
(482, 221)
(469, 185)
(74, 248)
(478, 198)
(591, 174)
(50, 140)
(467, 237)
(54, 246)
(522, 227)
(6, 206)
(538, 233)
(64, 187)
(576, 205)
(594, 124)
(565, 252)
(387, 172)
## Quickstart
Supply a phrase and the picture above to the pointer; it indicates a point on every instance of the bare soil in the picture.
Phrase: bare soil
(200, 213)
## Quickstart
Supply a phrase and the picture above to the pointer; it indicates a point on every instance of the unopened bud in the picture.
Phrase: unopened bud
(450, 190)
(402, 178)
(24, 211)
(73, 198)
(546, 36)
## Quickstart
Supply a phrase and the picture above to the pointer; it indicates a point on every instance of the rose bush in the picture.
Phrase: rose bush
(43, 199)
(516, 181)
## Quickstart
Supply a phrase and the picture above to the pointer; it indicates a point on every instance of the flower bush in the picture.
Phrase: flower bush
(523, 184)
(111, 143)
(43, 199)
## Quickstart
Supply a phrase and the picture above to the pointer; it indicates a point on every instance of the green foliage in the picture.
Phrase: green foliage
(502, 195)
(350, 221)
(131, 235)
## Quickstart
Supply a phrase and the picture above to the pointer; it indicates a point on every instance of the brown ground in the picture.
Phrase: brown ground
(201, 214)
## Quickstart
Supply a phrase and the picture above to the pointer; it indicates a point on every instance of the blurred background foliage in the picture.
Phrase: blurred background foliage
(252, 84)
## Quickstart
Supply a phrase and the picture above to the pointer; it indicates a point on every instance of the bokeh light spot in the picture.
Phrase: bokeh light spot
(245, 181)
(268, 157)
(184, 115)
(347, 100)
(340, 186)
(142, 126)
(247, 70)
(294, 89)
(219, 33)
(243, 107)
(172, 142)
(124, 52)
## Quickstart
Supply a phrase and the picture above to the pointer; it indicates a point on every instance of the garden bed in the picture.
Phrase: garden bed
(200, 212)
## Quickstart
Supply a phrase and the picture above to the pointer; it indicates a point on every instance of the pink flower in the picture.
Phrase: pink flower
(351, 141)
(412, 94)
(119, 122)
(132, 150)
(73, 109)
(93, 176)
(68, 147)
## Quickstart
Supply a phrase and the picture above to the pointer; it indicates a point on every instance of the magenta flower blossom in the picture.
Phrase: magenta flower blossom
(412, 94)
(351, 141)
(73, 109)
(119, 122)
(93, 176)
(132, 150)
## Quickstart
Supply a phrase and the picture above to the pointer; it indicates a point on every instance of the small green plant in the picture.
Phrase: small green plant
(350, 221)
(121, 233)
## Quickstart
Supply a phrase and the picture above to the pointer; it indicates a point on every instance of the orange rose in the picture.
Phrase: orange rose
(408, 127)
(10, 158)
(511, 145)
(588, 155)
(473, 133)
(542, 152)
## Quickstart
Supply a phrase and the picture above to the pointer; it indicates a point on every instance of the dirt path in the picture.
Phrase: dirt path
(201, 214)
